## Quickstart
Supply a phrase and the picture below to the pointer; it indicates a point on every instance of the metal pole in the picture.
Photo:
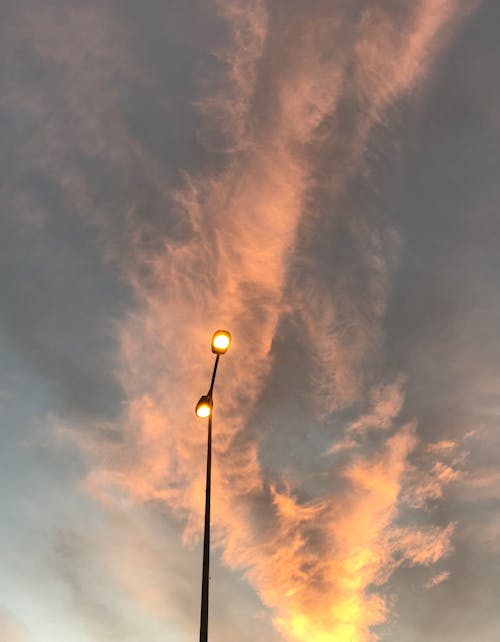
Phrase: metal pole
(206, 542)
(206, 535)
(213, 375)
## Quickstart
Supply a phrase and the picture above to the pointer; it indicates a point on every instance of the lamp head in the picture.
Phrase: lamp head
(221, 341)
(204, 406)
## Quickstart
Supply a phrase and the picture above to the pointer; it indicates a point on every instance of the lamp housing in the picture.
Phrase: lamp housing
(204, 406)
(221, 341)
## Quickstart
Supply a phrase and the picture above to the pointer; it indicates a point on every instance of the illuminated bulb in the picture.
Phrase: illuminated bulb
(204, 406)
(221, 341)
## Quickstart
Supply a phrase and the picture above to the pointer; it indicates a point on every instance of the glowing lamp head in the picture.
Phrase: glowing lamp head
(220, 341)
(204, 406)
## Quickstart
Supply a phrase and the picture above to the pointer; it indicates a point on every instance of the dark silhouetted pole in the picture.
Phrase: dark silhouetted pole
(204, 408)
(206, 542)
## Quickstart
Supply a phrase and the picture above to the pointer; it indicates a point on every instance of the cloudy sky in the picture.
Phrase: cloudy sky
(320, 178)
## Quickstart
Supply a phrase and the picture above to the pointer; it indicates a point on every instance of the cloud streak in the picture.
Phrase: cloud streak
(314, 561)
(272, 104)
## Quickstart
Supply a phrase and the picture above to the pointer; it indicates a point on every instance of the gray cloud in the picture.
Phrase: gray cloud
(279, 170)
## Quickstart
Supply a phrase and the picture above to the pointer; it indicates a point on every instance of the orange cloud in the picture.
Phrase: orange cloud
(439, 578)
(313, 561)
(437, 465)
(387, 402)
(441, 446)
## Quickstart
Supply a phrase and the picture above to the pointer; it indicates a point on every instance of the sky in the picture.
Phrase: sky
(321, 179)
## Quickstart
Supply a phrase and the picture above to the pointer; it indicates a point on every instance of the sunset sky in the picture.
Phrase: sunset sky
(321, 178)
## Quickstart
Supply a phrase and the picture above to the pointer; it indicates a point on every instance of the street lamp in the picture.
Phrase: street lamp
(204, 408)
(220, 341)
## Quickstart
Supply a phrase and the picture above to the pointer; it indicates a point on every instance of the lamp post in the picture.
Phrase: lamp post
(204, 408)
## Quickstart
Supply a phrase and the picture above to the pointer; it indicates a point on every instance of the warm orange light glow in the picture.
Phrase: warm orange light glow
(203, 410)
(221, 341)
(204, 406)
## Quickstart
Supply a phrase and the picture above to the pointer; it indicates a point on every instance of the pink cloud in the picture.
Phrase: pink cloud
(314, 561)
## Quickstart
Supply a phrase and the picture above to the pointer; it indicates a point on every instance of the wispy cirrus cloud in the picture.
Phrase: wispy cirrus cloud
(244, 221)
(439, 578)
(219, 247)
